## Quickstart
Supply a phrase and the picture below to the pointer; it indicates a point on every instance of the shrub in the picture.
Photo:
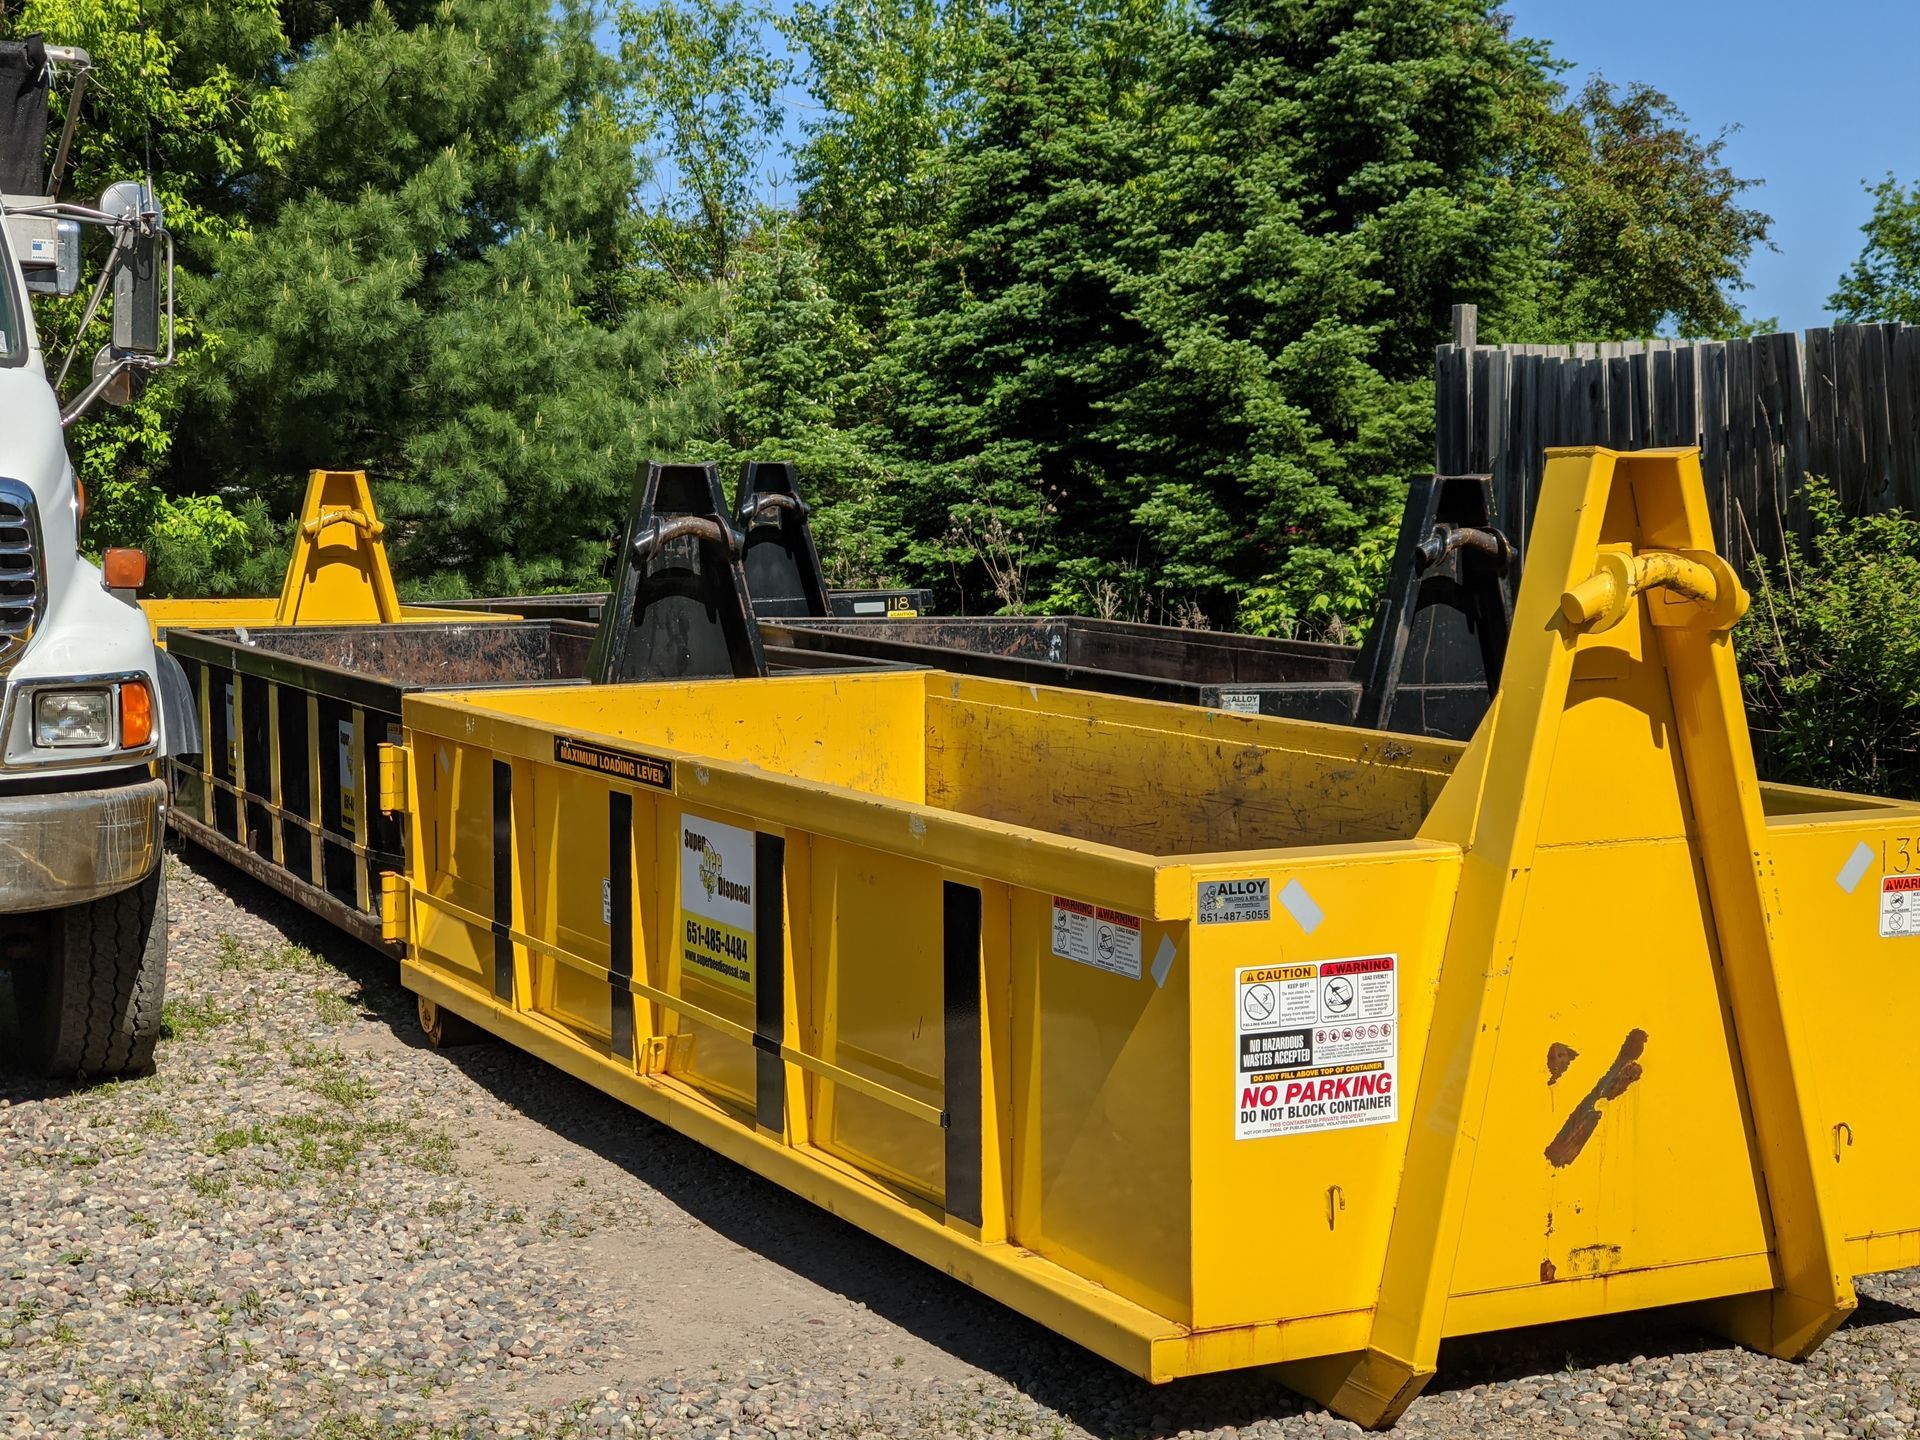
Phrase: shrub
(1832, 654)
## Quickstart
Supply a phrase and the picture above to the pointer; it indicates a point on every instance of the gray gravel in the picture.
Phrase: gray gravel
(307, 1224)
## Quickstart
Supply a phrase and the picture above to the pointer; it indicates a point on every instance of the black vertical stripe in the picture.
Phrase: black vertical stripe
(620, 917)
(502, 880)
(961, 941)
(769, 981)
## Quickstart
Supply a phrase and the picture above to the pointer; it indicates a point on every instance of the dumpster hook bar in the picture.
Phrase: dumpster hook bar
(660, 533)
(365, 523)
(1443, 540)
(1601, 601)
(752, 507)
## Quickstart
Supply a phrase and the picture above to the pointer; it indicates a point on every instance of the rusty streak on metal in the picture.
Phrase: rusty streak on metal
(1559, 1057)
(1619, 1077)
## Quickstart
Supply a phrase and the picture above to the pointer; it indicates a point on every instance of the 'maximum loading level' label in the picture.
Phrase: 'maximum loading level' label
(1318, 1046)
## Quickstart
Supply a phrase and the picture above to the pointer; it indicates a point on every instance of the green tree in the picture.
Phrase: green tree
(1172, 336)
(704, 92)
(1324, 185)
(1640, 222)
(897, 86)
(440, 289)
(1013, 342)
(1884, 283)
(799, 381)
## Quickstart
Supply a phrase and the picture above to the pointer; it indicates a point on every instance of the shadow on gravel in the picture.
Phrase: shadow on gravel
(833, 1254)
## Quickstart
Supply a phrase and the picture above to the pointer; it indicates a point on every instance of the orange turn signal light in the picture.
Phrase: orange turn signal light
(125, 569)
(136, 714)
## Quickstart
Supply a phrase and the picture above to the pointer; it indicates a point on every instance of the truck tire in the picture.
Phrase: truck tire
(91, 1005)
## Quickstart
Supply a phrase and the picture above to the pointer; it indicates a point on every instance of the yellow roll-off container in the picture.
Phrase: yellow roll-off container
(337, 573)
(1216, 1041)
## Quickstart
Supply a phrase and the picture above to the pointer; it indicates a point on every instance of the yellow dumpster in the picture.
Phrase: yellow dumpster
(1212, 1040)
(336, 575)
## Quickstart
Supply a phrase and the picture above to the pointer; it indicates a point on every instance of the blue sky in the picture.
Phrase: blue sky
(1823, 91)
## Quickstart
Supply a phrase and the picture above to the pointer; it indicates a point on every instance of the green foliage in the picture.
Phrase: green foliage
(1884, 283)
(897, 86)
(1124, 307)
(704, 90)
(438, 291)
(1832, 654)
(1637, 222)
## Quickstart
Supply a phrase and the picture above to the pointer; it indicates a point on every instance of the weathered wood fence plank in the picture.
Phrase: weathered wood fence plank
(1767, 412)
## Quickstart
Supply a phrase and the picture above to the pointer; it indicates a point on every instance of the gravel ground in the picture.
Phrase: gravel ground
(307, 1224)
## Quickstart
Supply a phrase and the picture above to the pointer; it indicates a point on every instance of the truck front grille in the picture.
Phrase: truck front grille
(21, 594)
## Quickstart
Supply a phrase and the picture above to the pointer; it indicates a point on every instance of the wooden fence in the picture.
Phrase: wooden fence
(1843, 402)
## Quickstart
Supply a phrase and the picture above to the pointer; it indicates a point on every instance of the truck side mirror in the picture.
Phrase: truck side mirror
(139, 300)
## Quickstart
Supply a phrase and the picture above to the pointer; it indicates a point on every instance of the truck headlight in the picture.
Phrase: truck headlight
(64, 719)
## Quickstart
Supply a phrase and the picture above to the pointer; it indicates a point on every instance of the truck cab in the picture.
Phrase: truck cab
(88, 703)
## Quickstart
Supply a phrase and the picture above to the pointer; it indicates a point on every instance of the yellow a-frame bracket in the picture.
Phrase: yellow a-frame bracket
(1614, 894)
(338, 573)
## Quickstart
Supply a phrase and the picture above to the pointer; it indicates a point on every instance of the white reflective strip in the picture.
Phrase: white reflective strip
(1302, 906)
(1856, 867)
(1163, 961)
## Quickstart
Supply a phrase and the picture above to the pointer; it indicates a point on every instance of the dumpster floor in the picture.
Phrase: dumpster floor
(307, 1223)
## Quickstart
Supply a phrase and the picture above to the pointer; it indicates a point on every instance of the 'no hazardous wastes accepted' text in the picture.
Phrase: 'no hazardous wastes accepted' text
(1318, 1046)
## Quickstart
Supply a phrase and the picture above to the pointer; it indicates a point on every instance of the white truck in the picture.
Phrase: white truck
(88, 703)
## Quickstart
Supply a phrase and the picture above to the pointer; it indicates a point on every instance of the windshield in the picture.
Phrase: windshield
(13, 335)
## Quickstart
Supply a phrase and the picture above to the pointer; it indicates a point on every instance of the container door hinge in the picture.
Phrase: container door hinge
(393, 779)
(393, 903)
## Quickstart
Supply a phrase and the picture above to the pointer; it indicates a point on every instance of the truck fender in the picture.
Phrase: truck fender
(179, 714)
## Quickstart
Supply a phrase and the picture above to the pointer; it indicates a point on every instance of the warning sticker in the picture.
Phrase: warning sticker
(1230, 902)
(716, 902)
(1318, 1046)
(349, 773)
(1105, 939)
(1899, 906)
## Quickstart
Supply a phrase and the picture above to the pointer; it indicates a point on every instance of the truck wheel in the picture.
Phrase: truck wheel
(91, 1004)
(443, 1029)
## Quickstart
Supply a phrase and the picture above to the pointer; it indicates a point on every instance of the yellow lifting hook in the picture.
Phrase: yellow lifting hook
(1690, 577)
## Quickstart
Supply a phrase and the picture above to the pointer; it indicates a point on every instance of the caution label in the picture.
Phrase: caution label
(716, 902)
(1899, 906)
(1105, 939)
(1318, 1046)
(1230, 902)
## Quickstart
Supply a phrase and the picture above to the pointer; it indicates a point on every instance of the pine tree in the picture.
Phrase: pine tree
(440, 289)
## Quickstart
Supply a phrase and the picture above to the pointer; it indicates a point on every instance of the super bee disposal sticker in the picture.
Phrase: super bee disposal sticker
(1318, 1046)
(716, 902)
